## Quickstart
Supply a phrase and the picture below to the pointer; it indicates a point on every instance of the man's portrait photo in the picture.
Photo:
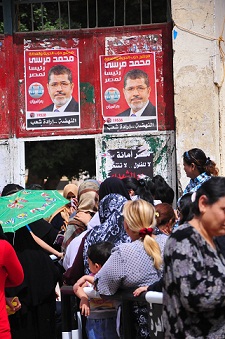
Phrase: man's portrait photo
(136, 91)
(60, 88)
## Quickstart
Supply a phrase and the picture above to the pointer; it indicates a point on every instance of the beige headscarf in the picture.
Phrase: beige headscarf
(70, 188)
(88, 199)
(88, 196)
(65, 210)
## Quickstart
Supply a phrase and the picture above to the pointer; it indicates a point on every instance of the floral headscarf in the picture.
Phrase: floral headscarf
(111, 228)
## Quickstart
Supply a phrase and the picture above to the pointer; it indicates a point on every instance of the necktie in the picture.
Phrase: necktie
(133, 115)
(56, 110)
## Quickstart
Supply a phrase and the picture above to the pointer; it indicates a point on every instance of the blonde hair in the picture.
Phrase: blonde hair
(140, 214)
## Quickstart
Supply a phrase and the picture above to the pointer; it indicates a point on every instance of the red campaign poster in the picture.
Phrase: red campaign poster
(52, 88)
(128, 92)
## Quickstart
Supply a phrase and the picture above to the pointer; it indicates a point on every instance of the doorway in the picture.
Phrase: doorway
(47, 162)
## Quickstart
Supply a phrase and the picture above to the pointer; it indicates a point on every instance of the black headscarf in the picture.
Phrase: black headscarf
(113, 185)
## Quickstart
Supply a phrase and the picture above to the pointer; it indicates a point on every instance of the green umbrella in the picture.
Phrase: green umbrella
(26, 206)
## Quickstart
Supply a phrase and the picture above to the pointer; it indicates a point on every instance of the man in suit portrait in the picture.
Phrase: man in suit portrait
(60, 88)
(136, 92)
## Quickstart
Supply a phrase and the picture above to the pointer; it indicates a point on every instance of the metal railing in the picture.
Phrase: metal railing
(72, 324)
(37, 15)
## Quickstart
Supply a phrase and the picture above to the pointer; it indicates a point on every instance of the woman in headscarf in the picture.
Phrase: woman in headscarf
(88, 199)
(112, 195)
(60, 218)
(113, 185)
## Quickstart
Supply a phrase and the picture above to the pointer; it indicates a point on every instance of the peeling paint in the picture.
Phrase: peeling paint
(161, 145)
(87, 93)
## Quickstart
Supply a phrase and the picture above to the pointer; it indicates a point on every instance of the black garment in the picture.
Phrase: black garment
(37, 323)
(44, 230)
(157, 286)
(221, 243)
(57, 222)
(113, 185)
(36, 318)
(72, 107)
(140, 320)
(149, 110)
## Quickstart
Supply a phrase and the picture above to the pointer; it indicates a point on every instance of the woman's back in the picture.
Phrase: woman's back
(130, 266)
(111, 228)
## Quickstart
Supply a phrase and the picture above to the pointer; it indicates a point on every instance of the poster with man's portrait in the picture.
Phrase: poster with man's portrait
(52, 88)
(128, 92)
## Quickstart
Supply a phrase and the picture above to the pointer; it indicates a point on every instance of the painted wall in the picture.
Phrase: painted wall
(161, 145)
(91, 44)
(198, 79)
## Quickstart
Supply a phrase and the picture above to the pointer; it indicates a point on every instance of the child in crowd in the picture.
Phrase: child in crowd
(101, 314)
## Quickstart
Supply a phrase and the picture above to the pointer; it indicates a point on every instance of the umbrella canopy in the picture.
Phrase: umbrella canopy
(26, 206)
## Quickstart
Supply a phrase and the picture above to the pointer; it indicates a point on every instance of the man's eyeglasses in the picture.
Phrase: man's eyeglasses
(137, 88)
(62, 84)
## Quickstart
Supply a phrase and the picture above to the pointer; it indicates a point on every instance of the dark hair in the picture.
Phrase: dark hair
(203, 164)
(100, 252)
(164, 214)
(184, 207)
(213, 189)
(60, 69)
(140, 188)
(136, 74)
(131, 184)
(162, 190)
(10, 189)
(145, 192)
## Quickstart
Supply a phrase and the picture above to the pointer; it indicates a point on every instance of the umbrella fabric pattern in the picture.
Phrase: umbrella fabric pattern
(26, 206)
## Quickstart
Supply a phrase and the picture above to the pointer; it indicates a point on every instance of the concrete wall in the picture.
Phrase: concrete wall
(12, 164)
(198, 72)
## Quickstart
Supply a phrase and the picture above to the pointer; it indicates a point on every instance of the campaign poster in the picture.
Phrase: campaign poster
(52, 96)
(133, 162)
(128, 92)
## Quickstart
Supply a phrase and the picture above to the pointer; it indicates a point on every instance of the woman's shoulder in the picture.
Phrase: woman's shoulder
(182, 231)
(122, 247)
(128, 247)
(184, 238)
(161, 239)
(5, 243)
(6, 248)
(161, 236)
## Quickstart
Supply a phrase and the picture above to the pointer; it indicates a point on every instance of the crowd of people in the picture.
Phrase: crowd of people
(120, 234)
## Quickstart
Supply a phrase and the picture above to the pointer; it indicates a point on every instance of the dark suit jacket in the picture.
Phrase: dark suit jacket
(72, 107)
(148, 111)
